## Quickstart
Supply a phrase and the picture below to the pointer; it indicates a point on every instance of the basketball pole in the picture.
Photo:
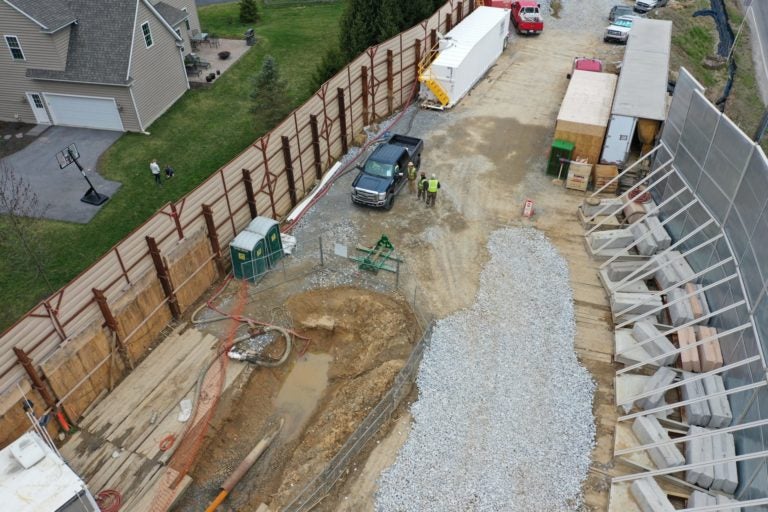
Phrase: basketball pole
(91, 196)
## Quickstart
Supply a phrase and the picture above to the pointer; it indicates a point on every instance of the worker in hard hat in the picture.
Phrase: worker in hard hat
(411, 175)
(432, 187)
(422, 186)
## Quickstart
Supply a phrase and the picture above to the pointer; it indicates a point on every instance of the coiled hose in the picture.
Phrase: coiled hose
(256, 358)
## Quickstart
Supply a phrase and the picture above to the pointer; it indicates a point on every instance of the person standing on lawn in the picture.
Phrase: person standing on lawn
(155, 171)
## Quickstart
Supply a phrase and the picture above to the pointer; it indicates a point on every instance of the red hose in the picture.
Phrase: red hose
(167, 442)
(639, 196)
(109, 500)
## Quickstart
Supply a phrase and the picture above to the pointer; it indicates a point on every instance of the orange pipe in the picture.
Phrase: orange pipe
(218, 501)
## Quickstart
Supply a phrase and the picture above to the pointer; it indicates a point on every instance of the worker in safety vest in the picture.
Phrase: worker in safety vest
(411, 175)
(422, 186)
(432, 187)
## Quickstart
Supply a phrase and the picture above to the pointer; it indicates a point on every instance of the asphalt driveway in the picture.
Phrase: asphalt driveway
(59, 191)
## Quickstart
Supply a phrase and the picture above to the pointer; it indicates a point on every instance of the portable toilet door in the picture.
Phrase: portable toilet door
(270, 230)
(249, 256)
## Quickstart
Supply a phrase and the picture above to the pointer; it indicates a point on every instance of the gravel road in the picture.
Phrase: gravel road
(504, 416)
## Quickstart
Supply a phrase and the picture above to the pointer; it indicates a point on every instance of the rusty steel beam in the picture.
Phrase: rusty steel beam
(448, 23)
(316, 146)
(164, 277)
(175, 216)
(249, 195)
(213, 237)
(288, 159)
(432, 39)
(417, 57)
(459, 12)
(342, 120)
(37, 381)
(111, 322)
(364, 93)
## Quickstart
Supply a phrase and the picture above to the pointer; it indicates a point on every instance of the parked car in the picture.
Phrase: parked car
(620, 10)
(585, 64)
(618, 31)
(383, 175)
(526, 17)
(647, 5)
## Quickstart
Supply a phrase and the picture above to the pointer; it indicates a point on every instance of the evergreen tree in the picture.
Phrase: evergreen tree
(329, 65)
(359, 26)
(249, 11)
(390, 20)
(270, 101)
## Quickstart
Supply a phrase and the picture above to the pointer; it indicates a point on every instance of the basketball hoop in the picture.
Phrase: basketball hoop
(68, 156)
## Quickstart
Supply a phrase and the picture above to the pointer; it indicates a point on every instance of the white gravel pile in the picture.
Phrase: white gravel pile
(504, 416)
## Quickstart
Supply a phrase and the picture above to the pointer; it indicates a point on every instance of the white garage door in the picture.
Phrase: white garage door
(84, 111)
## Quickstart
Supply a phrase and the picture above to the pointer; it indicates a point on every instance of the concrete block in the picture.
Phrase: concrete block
(648, 430)
(612, 285)
(700, 499)
(606, 206)
(662, 414)
(644, 330)
(699, 304)
(689, 358)
(612, 239)
(719, 407)
(697, 413)
(643, 302)
(726, 474)
(660, 235)
(645, 243)
(709, 353)
(624, 340)
(680, 311)
(663, 377)
(618, 270)
(681, 265)
(649, 496)
(665, 275)
(725, 500)
(699, 450)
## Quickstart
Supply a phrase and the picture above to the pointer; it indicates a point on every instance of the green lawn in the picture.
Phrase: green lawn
(200, 133)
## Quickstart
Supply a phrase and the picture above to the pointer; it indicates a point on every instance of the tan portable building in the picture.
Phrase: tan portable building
(585, 112)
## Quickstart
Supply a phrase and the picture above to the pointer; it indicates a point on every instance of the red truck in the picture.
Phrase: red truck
(526, 17)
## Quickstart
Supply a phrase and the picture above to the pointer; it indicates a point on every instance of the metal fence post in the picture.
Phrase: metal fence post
(397, 274)
(320, 241)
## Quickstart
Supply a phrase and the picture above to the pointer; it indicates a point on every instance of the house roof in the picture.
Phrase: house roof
(99, 44)
(171, 14)
(50, 15)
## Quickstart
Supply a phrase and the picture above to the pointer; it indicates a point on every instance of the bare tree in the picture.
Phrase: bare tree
(20, 205)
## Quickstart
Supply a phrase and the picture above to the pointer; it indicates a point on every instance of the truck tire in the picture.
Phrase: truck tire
(390, 202)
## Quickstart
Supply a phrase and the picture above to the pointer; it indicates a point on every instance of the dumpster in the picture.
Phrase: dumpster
(249, 256)
(560, 149)
(270, 230)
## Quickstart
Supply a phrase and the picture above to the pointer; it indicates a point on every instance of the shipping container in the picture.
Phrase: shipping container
(465, 54)
(584, 113)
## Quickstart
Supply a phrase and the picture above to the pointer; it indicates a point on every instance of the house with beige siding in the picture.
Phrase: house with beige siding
(107, 64)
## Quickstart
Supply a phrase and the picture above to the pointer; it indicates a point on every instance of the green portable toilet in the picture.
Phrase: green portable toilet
(249, 256)
(270, 230)
(560, 149)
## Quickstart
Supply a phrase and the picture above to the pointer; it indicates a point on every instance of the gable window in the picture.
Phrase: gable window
(15, 47)
(147, 34)
(186, 21)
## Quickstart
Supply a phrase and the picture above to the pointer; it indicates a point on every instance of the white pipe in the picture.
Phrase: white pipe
(659, 293)
(736, 505)
(687, 324)
(625, 171)
(662, 224)
(696, 377)
(690, 437)
(683, 349)
(671, 248)
(675, 405)
(686, 467)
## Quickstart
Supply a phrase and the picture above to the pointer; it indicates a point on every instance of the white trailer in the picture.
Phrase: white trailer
(464, 56)
(33, 478)
(642, 89)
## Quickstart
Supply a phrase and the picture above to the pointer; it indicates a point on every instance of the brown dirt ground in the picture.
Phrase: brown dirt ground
(367, 335)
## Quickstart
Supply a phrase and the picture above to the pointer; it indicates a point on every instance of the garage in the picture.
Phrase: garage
(84, 111)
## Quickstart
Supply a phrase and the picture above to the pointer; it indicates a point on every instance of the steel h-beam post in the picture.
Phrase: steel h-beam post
(164, 277)
(364, 93)
(111, 322)
(249, 195)
(316, 146)
(213, 236)
(342, 122)
(288, 159)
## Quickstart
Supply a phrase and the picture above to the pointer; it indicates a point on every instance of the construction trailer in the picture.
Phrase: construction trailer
(585, 112)
(34, 478)
(463, 56)
(640, 102)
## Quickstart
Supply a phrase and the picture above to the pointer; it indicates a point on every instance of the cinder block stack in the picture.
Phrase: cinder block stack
(650, 497)
(696, 413)
(648, 430)
(710, 354)
(657, 344)
(689, 358)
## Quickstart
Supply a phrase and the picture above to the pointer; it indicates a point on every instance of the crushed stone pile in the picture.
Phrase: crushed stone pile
(504, 420)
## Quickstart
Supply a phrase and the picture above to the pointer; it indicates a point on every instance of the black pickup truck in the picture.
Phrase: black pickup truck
(383, 174)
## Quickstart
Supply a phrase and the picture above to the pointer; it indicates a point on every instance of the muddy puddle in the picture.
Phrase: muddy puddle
(301, 392)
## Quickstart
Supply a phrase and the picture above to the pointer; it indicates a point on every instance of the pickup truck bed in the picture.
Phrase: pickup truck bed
(412, 144)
